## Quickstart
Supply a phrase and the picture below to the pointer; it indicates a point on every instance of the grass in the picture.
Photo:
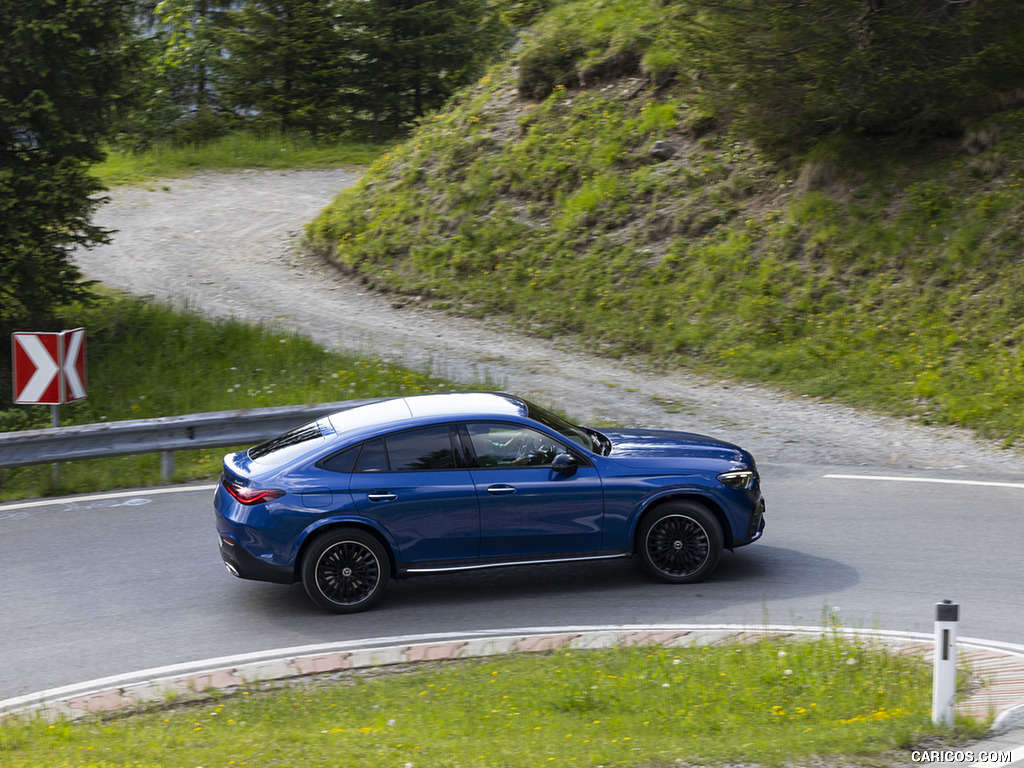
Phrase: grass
(887, 277)
(147, 360)
(770, 701)
(233, 152)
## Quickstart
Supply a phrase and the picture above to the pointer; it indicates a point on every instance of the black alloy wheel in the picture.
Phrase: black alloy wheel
(345, 570)
(680, 542)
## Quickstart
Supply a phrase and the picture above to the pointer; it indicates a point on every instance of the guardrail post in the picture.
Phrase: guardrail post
(54, 424)
(166, 465)
(947, 615)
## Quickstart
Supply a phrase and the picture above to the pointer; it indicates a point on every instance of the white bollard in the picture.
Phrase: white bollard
(947, 615)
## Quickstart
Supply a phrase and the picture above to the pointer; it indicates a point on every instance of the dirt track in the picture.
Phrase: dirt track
(228, 244)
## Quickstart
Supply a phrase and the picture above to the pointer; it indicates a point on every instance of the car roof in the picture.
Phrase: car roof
(410, 411)
(468, 404)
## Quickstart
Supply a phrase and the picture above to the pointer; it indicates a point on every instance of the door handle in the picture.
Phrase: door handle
(382, 496)
(501, 490)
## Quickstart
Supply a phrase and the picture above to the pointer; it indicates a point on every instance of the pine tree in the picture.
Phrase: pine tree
(61, 64)
(282, 64)
(788, 71)
(407, 57)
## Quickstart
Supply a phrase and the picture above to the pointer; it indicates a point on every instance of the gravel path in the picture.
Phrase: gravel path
(228, 245)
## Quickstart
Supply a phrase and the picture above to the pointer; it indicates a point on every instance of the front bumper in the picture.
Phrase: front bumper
(755, 528)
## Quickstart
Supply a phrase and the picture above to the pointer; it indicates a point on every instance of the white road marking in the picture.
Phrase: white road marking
(925, 480)
(104, 496)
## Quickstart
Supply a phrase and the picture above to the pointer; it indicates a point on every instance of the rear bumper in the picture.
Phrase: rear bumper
(244, 565)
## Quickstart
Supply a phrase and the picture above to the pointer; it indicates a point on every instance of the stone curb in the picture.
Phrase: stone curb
(999, 665)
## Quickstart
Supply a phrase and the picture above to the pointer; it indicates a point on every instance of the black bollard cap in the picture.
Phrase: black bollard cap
(947, 610)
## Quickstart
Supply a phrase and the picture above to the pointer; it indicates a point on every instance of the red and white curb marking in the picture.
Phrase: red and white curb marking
(999, 665)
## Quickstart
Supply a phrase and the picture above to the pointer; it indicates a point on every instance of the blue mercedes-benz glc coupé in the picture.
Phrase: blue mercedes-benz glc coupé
(437, 483)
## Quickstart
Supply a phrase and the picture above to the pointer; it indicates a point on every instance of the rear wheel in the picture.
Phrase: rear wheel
(680, 542)
(345, 570)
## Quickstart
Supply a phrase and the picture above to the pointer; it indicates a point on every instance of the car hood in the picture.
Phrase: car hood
(635, 446)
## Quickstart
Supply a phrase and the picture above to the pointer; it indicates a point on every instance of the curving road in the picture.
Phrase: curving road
(102, 586)
(94, 587)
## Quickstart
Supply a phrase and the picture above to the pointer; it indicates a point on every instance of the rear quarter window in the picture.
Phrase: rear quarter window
(343, 462)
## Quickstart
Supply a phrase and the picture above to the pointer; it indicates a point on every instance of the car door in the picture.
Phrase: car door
(415, 484)
(526, 507)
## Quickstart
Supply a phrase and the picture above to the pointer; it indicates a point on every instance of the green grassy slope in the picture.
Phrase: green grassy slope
(875, 275)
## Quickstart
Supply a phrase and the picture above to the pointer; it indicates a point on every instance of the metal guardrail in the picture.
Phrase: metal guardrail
(163, 435)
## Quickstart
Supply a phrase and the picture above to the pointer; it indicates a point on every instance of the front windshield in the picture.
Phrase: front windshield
(578, 435)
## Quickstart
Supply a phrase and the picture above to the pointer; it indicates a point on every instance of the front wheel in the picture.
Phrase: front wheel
(345, 571)
(679, 542)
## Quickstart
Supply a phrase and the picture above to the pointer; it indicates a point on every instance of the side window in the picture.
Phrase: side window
(419, 449)
(343, 461)
(511, 445)
(373, 457)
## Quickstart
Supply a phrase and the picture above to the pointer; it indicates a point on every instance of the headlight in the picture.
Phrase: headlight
(741, 479)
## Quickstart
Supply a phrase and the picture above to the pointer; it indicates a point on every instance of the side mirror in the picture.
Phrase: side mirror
(564, 464)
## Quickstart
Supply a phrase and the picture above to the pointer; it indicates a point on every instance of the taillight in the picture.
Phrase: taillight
(249, 496)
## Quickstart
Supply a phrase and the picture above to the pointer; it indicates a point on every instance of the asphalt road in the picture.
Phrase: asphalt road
(98, 587)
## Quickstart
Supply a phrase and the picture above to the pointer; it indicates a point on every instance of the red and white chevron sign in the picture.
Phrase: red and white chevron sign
(49, 368)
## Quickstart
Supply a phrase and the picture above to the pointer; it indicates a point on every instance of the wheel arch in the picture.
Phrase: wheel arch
(685, 495)
(334, 525)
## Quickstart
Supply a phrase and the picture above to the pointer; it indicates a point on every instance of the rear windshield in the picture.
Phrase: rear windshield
(283, 442)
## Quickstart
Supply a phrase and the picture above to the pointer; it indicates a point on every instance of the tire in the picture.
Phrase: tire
(346, 570)
(679, 542)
